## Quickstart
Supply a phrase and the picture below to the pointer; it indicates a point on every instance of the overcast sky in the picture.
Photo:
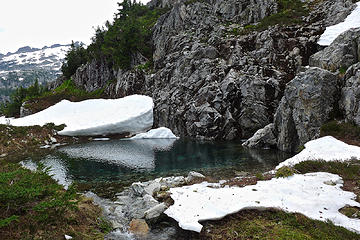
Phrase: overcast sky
(39, 23)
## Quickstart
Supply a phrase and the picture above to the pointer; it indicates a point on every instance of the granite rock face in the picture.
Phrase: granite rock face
(309, 101)
(341, 54)
(350, 95)
(211, 79)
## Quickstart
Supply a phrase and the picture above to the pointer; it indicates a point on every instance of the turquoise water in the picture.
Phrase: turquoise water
(134, 160)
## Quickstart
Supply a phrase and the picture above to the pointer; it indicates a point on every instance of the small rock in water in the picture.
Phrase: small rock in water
(139, 227)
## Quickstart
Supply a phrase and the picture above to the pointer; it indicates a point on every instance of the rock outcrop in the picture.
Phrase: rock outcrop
(212, 78)
(341, 54)
(317, 95)
(309, 101)
(350, 95)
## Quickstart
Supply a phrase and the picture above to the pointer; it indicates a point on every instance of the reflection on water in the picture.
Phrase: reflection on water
(129, 159)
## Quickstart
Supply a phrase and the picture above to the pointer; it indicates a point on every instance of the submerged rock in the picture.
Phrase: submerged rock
(139, 227)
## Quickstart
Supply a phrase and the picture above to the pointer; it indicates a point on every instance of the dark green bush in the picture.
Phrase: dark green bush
(75, 57)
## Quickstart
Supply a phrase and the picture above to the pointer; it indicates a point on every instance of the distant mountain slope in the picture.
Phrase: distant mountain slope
(27, 64)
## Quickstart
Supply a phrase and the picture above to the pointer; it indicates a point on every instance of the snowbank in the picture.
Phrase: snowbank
(352, 21)
(132, 114)
(327, 149)
(307, 194)
(161, 132)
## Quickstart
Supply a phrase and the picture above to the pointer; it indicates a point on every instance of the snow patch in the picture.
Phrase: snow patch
(332, 32)
(131, 114)
(306, 194)
(157, 133)
(327, 149)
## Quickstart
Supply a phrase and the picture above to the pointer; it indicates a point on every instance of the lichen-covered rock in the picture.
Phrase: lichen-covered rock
(350, 95)
(341, 54)
(309, 101)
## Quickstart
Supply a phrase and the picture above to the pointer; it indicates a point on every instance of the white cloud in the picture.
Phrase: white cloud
(44, 22)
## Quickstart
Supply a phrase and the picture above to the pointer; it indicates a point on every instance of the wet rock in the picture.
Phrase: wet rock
(139, 227)
(155, 211)
(138, 188)
(263, 138)
(152, 188)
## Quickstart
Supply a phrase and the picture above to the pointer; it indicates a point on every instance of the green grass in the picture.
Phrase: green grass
(342, 130)
(284, 172)
(290, 12)
(31, 198)
(68, 88)
(273, 225)
(348, 171)
(34, 206)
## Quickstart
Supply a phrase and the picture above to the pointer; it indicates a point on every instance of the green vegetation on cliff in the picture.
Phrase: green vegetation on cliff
(120, 41)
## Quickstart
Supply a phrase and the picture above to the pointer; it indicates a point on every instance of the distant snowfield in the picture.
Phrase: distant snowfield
(332, 32)
(316, 195)
(131, 114)
(47, 57)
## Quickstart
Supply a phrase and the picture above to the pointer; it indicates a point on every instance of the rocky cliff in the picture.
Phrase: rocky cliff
(316, 96)
(219, 75)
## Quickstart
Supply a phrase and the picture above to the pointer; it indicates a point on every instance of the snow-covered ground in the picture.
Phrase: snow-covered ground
(131, 114)
(316, 195)
(158, 133)
(331, 32)
(327, 149)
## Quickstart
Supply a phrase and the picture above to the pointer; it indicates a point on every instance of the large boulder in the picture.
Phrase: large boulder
(341, 54)
(263, 138)
(350, 95)
(309, 101)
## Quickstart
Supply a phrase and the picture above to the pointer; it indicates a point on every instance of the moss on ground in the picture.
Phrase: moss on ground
(272, 225)
(34, 206)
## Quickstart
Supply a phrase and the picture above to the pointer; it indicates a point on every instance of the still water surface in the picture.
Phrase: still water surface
(132, 160)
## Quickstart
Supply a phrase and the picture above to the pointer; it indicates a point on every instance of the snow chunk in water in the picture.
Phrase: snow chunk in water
(306, 194)
(131, 114)
(332, 32)
(161, 132)
(327, 149)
